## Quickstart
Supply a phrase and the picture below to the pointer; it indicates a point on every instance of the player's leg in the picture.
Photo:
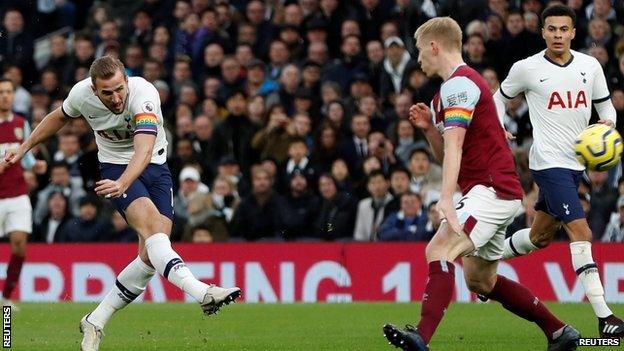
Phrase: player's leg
(586, 269)
(151, 217)
(527, 240)
(481, 278)
(130, 282)
(18, 240)
(442, 250)
(558, 202)
(18, 223)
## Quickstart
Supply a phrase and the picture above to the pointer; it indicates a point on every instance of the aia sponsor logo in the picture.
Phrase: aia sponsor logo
(567, 99)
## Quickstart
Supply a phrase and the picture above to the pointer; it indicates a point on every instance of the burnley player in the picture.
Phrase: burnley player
(463, 130)
(127, 120)
(15, 208)
(560, 86)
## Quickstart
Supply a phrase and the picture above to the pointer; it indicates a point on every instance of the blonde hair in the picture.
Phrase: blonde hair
(105, 67)
(444, 30)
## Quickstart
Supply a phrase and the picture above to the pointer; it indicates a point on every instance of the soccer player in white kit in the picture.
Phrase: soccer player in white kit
(127, 120)
(560, 86)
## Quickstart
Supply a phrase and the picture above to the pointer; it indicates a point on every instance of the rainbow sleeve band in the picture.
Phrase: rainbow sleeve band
(145, 123)
(457, 117)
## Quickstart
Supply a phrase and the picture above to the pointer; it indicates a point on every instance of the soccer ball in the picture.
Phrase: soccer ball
(598, 147)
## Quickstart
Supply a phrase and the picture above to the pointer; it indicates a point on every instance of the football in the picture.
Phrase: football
(598, 147)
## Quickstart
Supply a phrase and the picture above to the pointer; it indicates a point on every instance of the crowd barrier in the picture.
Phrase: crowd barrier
(298, 272)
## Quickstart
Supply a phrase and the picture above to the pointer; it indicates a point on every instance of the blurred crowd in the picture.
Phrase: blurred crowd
(286, 120)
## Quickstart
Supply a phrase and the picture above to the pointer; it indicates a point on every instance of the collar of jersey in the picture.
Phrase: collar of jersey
(558, 65)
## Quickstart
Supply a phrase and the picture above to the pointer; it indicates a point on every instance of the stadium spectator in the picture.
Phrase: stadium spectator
(614, 231)
(354, 150)
(52, 228)
(371, 210)
(396, 63)
(16, 44)
(382, 149)
(399, 185)
(434, 220)
(60, 181)
(336, 217)
(190, 183)
(121, 231)
(408, 224)
(256, 216)
(232, 137)
(297, 209)
(603, 201)
(69, 152)
(426, 176)
(340, 172)
(21, 100)
(297, 161)
(343, 71)
(88, 226)
(273, 140)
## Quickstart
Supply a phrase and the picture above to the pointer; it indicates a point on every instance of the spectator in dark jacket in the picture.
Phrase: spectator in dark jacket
(343, 71)
(52, 228)
(338, 209)
(409, 224)
(88, 227)
(255, 217)
(233, 136)
(16, 45)
(298, 209)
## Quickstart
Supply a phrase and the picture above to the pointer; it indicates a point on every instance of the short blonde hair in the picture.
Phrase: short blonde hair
(445, 31)
(105, 67)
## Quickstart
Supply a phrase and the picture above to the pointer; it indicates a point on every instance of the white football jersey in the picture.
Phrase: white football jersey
(560, 98)
(114, 134)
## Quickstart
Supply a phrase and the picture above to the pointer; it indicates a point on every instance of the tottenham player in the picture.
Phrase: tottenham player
(464, 132)
(15, 208)
(127, 120)
(560, 86)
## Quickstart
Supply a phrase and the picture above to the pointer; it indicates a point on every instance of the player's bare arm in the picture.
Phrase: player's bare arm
(49, 126)
(420, 116)
(453, 142)
(143, 147)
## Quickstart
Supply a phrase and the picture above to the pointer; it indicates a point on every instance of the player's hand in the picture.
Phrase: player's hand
(420, 116)
(2, 166)
(110, 188)
(13, 156)
(447, 211)
(607, 122)
(509, 136)
(40, 167)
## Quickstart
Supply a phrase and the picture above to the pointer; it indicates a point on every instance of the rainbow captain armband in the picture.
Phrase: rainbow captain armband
(457, 117)
(146, 123)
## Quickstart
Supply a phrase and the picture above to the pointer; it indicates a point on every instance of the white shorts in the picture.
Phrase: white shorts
(15, 215)
(485, 218)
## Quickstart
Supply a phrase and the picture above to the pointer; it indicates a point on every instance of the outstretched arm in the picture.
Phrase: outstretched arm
(49, 126)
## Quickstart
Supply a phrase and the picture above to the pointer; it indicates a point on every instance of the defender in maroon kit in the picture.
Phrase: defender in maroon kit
(465, 134)
(15, 208)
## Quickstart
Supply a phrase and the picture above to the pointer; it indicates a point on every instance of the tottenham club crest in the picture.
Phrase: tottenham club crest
(148, 107)
(19, 133)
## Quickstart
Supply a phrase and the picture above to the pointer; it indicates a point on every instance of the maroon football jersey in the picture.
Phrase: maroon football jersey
(486, 156)
(12, 183)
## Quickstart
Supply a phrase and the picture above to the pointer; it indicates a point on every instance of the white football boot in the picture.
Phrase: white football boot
(91, 335)
(216, 297)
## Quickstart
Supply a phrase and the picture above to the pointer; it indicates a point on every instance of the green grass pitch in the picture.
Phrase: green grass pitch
(357, 326)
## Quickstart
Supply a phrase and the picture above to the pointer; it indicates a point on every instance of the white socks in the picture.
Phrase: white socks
(130, 283)
(169, 264)
(518, 244)
(587, 271)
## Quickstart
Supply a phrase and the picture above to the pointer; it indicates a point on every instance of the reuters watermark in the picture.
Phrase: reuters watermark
(6, 327)
(598, 342)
